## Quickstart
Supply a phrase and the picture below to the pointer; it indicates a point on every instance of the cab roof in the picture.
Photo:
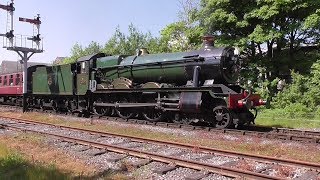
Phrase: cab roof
(92, 56)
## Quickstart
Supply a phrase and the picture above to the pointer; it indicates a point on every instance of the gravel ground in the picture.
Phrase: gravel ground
(146, 172)
(178, 174)
(150, 147)
(107, 160)
(219, 160)
(168, 151)
(216, 177)
(102, 162)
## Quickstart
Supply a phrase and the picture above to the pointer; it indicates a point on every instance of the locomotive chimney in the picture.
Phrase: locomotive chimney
(208, 42)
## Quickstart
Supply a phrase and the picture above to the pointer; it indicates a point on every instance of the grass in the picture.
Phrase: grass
(14, 166)
(288, 123)
(26, 156)
(277, 119)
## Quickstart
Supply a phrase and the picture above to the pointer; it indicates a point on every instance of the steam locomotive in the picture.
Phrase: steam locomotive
(182, 87)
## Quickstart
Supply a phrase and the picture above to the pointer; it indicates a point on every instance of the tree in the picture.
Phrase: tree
(312, 22)
(304, 90)
(78, 51)
(185, 34)
(252, 24)
(187, 10)
(285, 21)
(174, 37)
(226, 20)
(270, 32)
(120, 43)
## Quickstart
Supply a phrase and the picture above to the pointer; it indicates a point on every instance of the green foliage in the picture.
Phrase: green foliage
(249, 22)
(180, 36)
(78, 51)
(303, 92)
(297, 110)
(318, 112)
(269, 32)
(175, 37)
(226, 20)
(313, 20)
(293, 93)
(120, 43)
(266, 88)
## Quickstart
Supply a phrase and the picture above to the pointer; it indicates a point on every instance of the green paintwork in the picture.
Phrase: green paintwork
(82, 83)
(152, 58)
(83, 78)
(167, 72)
(40, 81)
(107, 61)
(54, 80)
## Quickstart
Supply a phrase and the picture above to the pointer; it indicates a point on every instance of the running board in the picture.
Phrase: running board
(125, 105)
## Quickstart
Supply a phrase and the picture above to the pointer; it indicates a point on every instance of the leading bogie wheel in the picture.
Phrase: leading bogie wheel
(222, 117)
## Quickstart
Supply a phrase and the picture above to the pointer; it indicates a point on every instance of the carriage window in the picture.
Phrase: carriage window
(0, 80)
(5, 81)
(18, 79)
(11, 80)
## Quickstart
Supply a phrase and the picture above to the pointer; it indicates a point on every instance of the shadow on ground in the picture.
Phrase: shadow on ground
(13, 167)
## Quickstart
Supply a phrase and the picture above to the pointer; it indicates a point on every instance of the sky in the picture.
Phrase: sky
(66, 22)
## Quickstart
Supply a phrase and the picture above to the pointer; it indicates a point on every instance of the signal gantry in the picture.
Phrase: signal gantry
(24, 46)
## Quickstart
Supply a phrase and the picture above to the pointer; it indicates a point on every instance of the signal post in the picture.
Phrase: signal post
(25, 50)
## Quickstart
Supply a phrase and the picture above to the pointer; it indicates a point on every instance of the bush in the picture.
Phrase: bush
(318, 113)
(298, 110)
(303, 94)
(273, 113)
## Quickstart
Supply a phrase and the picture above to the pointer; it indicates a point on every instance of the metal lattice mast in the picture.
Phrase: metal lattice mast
(9, 32)
(24, 51)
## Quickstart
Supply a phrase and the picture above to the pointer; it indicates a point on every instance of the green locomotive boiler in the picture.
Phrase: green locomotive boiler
(182, 87)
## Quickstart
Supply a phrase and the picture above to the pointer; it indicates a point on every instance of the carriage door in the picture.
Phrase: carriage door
(82, 77)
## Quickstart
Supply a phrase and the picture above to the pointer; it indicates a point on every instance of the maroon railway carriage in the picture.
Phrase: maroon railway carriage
(11, 88)
(11, 85)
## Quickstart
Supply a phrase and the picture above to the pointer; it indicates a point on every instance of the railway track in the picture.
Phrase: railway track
(132, 146)
(284, 134)
(261, 132)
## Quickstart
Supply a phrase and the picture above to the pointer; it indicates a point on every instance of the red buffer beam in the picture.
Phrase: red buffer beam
(35, 21)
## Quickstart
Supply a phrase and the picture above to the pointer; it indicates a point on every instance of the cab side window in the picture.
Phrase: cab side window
(84, 67)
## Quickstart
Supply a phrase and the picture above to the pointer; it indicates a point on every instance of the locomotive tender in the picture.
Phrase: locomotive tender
(183, 87)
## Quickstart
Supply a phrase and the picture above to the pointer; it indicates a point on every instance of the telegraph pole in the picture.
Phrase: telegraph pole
(22, 49)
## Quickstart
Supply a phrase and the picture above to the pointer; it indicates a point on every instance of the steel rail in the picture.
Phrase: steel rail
(260, 132)
(185, 146)
(225, 171)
